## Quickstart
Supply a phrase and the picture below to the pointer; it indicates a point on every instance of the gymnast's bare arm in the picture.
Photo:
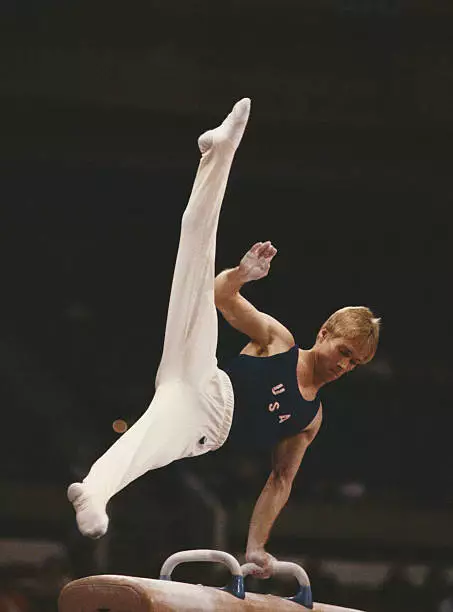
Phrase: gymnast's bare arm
(262, 329)
(286, 460)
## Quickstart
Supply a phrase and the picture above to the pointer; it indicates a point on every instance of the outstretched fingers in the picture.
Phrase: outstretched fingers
(255, 248)
(263, 249)
(266, 250)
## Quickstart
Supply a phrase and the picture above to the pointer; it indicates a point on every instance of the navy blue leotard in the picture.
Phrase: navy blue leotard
(268, 405)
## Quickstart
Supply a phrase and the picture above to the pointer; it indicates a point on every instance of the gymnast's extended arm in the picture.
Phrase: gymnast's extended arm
(261, 328)
(286, 460)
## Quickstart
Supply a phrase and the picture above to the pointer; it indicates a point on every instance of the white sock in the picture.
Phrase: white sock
(92, 519)
(231, 129)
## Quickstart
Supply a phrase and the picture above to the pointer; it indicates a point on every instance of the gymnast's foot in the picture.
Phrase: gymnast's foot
(230, 130)
(92, 519)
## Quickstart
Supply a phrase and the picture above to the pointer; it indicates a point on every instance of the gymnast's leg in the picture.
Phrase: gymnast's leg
(173, 424)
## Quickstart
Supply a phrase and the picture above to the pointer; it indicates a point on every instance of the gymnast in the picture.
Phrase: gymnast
(268, 395)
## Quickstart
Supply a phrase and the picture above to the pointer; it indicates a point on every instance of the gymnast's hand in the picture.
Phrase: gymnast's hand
(264, 560)
(256, 262)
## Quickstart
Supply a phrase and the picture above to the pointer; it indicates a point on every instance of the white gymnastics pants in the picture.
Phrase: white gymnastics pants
(193, 402)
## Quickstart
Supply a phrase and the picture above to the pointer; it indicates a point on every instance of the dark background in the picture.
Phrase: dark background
(345, 166)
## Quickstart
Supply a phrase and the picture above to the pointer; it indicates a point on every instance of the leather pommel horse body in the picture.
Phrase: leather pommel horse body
(129, 594)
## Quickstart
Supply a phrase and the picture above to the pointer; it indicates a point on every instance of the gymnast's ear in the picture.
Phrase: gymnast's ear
(322, 335)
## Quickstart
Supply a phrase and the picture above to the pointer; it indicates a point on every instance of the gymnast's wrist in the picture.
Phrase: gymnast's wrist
(240, 275)
(235, 278)
(253, 547)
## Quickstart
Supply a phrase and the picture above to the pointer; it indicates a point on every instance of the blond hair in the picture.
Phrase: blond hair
(356, 323)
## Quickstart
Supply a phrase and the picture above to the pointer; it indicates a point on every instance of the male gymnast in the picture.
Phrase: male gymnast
(268, 395)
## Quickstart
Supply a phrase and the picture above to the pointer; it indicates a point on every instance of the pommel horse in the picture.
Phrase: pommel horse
(111, 593)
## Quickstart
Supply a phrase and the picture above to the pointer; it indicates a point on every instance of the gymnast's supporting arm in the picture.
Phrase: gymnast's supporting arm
(286, 460)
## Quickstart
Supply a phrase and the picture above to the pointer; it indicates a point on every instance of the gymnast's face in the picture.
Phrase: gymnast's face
(335, 356)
